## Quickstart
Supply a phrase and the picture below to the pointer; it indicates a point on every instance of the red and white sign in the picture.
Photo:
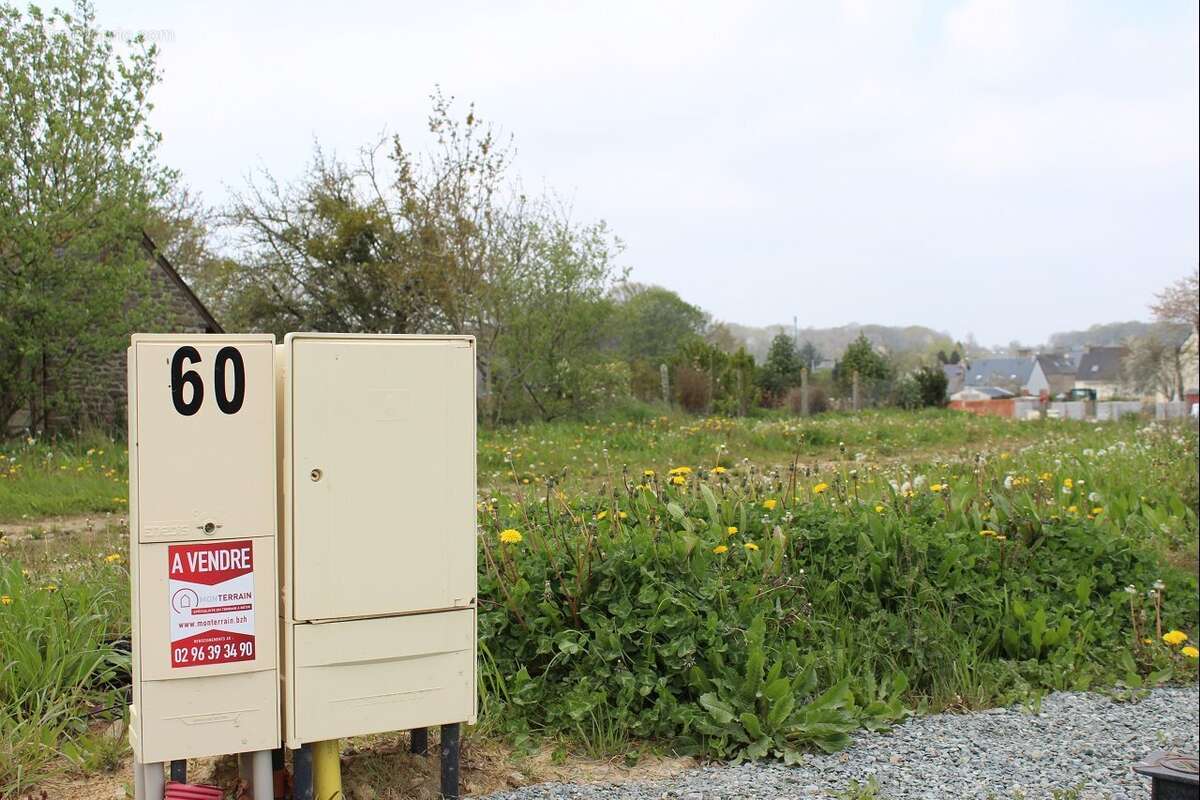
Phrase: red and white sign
(211, 588)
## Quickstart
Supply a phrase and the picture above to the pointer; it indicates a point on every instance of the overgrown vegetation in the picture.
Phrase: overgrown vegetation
(742, 611)
(735, 588)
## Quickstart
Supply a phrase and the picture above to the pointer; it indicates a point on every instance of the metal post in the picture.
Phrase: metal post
(419, 741)
(302, 773)
(450, 748)
(179, 770)
(153, 780)
(804, 391)
(139, 781)
(264, 788)
(278, 774)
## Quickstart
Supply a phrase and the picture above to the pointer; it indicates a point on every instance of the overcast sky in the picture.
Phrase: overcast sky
(1006, 169)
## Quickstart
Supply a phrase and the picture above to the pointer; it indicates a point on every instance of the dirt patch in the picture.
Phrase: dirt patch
(48, 527)
(381, 768)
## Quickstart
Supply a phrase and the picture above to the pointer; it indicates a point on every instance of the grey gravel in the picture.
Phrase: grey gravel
(1074, 741)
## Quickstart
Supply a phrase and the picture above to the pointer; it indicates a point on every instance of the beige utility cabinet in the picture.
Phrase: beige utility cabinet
(377, 477)
(203, 517)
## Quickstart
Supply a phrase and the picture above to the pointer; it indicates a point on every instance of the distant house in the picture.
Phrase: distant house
(1019, 375)
(1059, 369)
(956, 375)
(978, 393)
(1101, 370)
(100, 401)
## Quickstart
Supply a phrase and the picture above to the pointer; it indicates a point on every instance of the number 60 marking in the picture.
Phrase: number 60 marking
(181, 378)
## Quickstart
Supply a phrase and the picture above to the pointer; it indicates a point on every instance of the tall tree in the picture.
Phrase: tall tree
(78, 178)
(861, 357)
(781, 370)
(1178, 302)
(653, 323)
(809, 356)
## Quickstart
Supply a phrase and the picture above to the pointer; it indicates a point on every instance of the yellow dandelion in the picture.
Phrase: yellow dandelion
(112, 558)
(678, 480)
(601, 515)
(5, 600)
(649, 473)
(1068, 483)
(821, 488)
(1175, 637)
(51, 588)
(751, 546)
(731, 530)
(1045, 476)
(1097, 511)
(719, 470)
(986, 532)
(510, 536)
(719, 549)
(1072, 509)
(770, 504)
(878, 509)
(622, 515)
(681, 471)
(1190, 652)
(935, 487)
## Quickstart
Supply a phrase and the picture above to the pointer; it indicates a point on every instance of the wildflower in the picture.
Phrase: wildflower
(601, 515)
(649, 473)
(719, 549)
(731, 530)
(1147, 640)
(1190, 652)
(112, 558)
(510, 536)
(935, 487)
(821, 488)
(681, 471)
(751, 546)
(1068, 484)
(1159, 586)
(1000, 537)
(719, 470)
(1174, 637)
(1097, 511)
(878, 509)
(986, 532)
(5, 600)
(1131, 589)
(770, 504)
(679, 480)
(51, 588)
(622, 515)
(1045, 476)
(1072, 509)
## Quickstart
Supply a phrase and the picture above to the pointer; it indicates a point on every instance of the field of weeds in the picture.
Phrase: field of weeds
(727, 589)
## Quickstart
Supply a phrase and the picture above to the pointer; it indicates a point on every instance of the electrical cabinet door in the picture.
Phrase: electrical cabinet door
(382, 442)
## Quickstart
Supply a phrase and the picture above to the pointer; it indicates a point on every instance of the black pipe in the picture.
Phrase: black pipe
(419, 741)
(302, 773)
(450, 747)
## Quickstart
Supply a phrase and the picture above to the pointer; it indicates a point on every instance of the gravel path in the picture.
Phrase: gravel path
(1076, 740)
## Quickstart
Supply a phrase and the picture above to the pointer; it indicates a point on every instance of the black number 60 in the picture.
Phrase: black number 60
(229, 404)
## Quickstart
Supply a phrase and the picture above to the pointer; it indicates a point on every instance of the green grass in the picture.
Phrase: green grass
(614, 620)
(64, 664)
(52, 478)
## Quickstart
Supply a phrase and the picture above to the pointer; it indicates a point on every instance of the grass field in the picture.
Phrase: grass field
(732, 589)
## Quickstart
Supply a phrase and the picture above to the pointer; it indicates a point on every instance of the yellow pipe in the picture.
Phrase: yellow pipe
(327, 770)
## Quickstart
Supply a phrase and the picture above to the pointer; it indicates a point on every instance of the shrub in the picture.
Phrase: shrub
(693, 389)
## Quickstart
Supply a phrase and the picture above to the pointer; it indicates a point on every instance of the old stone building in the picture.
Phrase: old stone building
(99, 402)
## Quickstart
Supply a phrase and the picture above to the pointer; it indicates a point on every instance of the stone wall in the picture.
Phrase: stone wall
(96, 398)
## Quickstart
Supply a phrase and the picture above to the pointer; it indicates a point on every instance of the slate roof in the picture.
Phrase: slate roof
(1057, 364)
(1000, 372)
(1101, 364)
